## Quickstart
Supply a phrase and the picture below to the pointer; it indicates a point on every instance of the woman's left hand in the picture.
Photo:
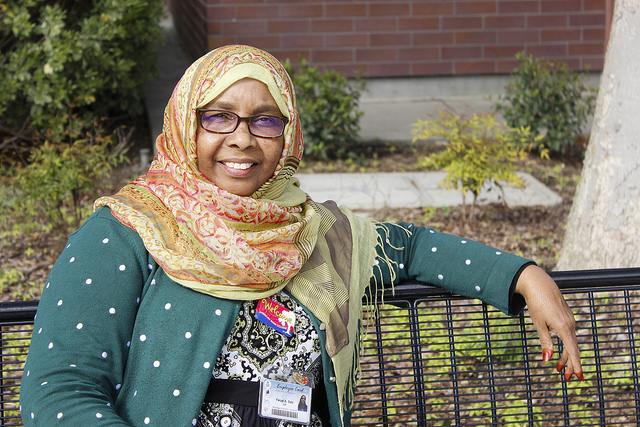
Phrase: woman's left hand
(551, 314)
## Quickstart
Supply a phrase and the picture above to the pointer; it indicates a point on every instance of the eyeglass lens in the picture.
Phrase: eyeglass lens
(227, 122)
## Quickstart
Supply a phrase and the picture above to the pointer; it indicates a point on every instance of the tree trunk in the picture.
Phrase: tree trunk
(603, 229)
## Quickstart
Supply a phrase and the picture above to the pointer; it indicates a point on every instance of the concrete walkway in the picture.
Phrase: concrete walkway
(357, 191)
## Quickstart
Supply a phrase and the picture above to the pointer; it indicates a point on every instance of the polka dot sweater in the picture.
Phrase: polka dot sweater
(117, 343)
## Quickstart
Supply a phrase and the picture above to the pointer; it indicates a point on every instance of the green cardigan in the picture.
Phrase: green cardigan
(116, 342)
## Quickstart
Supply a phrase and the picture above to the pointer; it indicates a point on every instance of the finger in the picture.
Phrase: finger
(545, 340)
(562, 361)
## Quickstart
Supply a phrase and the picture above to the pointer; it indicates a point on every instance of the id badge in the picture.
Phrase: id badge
(276, 316)
(285, 401)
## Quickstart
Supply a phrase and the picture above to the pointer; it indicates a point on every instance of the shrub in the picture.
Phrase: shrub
(479, 151)
(65, 64)
(549, 100)
(328, 106)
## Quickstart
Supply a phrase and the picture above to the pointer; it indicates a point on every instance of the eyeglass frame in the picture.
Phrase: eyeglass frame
(241, 119)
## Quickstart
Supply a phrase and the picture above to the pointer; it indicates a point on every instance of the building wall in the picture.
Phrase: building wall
(404, 38)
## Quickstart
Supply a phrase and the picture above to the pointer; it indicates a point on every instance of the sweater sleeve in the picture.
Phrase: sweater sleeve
(461, 266)
(83, 327)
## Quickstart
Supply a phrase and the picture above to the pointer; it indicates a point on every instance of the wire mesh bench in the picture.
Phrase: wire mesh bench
(430, 358)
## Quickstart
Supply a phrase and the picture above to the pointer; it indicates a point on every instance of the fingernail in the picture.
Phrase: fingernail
(580, 376)
(559, 367)
(567, 376)
(546, 354)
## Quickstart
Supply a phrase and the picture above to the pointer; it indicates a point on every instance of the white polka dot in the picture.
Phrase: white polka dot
(105, 240)
(72, 259)
(194, 422)
(88, 281)
(28, 373)
(68, 245)
(112, 310)
(138, 300)
(60, 415)
(98, 415)
(150, 266)
(135, 393)
(440, 276)
(118, 386)
(498, 253)
(206, 365)
(153, 282)
(401, 266)
(147, 420)
(39, 331)
(73, 365)
(156, 363)
(167, 306)
(468, 262)
(32, 415)
(128, 343)
(431, 231)
(59, 302)
(410, 225)
(122, 267)
(477, 288)
(104, 355)
(44, 383)
(50, 345)
(79, 326)
(187, 335)
(218, 312)
(143, 337)
(109, 404)
(463, 241)
(176, 392)
(48, 283)
(434, 249)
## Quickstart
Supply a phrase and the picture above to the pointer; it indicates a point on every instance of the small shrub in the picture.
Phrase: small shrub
(479, 151)
(549, 100)
(328, 106)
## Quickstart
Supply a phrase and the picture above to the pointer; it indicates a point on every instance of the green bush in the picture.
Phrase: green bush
(328, 106)
(479, 151)
(65, 64)
(549, 100)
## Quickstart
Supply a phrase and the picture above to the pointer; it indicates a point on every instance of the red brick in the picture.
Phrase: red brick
(559, 35)
(432, 38)
(587, 49)
(338, 9)
(547, 21)
(220, 12)
(343, 55)
(571, 63)
(234, 1)
(547, 50)
(389, 9)
(551, 6)
(461, 22)
(331, 25)
(214, 27)
(518, 6)
(593, 34)
(592, 64)
(505, 21)
(344, 40)
(420, 23)
(301, 10)
(518, 36)
(474, 67)
(418, 53)
(267, 42)
(390, 39)
(349, 70)
(475, 7)
(375, 24)
(432, 9)
(292, 55)
(501, 51)
(595, 19)
(388, 70)
(377, 54)
(461, 52)
(256, 12)
(244, 27)
(431, 68)
(475, 37)
(594, 5)
(506, 66)
(214, 41)
(302, 41)
(287, 26)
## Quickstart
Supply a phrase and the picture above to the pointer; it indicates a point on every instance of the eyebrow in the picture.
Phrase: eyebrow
(260, 109)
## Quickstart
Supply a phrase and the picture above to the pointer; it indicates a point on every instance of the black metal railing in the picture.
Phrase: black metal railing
(430, 358)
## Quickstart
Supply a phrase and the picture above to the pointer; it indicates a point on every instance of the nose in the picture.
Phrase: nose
(241, 137)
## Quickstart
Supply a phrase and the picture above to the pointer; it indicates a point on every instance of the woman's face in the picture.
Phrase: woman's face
(240, 162)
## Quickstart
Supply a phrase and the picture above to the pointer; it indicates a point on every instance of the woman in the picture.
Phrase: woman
(209, 285)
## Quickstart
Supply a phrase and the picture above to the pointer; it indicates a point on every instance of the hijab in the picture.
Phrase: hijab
(246, 248)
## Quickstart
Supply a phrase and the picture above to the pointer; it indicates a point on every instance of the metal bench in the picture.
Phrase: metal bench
(430, 358)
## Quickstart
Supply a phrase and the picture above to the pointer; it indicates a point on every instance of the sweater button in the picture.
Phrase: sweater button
(323, 326)
(332, 379)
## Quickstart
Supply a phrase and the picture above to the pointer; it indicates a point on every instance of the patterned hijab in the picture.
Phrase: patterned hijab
(246, 248)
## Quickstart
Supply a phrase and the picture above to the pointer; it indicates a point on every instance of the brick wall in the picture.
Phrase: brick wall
(404, 38)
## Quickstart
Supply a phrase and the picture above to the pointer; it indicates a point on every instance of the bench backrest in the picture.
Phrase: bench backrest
(430, 358)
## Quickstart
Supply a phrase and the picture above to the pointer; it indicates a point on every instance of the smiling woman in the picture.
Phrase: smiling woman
(212, 290)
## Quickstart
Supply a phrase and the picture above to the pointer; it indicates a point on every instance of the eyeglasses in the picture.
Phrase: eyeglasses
(263, 126)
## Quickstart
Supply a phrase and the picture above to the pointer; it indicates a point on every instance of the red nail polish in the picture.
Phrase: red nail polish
(580, 376)
(559, 367)
(567, 376)
(546, 354)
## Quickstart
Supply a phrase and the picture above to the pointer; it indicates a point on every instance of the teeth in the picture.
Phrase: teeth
(241, 166)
